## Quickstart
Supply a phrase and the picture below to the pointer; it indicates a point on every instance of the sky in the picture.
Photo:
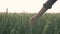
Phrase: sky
(27, 6)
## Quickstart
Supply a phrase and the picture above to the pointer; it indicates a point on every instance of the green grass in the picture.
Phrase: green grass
(19, 24)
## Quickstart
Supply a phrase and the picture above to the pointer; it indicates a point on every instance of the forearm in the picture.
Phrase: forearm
(41, 12)
(46, 6)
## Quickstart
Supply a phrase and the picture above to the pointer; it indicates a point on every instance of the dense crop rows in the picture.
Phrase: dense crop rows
(19, 24)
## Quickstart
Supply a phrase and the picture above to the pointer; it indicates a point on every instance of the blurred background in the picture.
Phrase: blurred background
(15, 15)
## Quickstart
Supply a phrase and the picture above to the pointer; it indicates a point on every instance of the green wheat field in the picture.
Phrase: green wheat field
(18, 23)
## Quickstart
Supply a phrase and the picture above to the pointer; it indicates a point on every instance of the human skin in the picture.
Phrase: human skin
(45, 7)
(34, 18)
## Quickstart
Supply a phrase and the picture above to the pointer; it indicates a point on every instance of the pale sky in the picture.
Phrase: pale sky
(29, 6)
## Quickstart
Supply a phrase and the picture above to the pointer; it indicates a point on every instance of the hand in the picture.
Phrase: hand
(32, 20)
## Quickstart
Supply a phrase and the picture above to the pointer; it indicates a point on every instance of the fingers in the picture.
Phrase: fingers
(32, 20)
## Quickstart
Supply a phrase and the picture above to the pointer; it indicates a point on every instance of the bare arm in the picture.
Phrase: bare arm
(46, 6)
(41, 12)
(34, 18)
